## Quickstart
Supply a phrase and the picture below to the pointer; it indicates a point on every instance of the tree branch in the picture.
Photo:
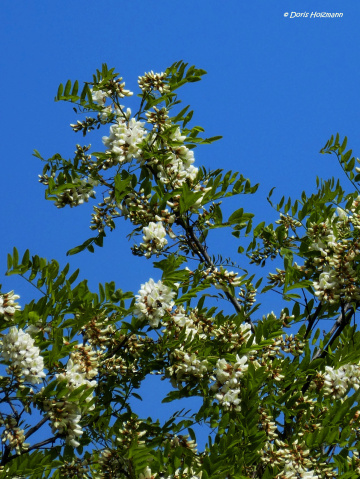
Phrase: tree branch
(204, 257)
(311, 320)
(36, 427)
(6, 458)
(343, 320)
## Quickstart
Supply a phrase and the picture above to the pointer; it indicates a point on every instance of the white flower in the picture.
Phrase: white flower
(182, 320)
(155, 81)
(8, 306)
(64, 418)
(18, 350)
(154, 237)
(228, 381)
(75, 378)
(179, 166)
(98, 97)
(153, 301)
(294, 471)
(327, 287)
(342, 214)
(338, 381)
(124, 139)
(228, 397)
(80, 193)
(146, 474)
(185, 366)
(64, 415)
(188, 473)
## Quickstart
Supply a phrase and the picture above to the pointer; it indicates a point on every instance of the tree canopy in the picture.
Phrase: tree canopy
(279, 391)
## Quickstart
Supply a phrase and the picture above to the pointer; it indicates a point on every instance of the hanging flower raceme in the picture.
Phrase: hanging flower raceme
(186, 473)
(154, 238)
(186, 366)
(65, 415)
(178, 168)
(328, 286)
(335, 263)
(153, 81)
(153, 301)
(228, 382)
(81, 192)
(99, 97)
(125, 137)
(190, 322)
(14, 436)
(18, 350)
(76, 377)
(8, 305)
(338, 381)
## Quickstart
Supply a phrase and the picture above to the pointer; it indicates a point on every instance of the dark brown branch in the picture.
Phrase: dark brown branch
(311, 320)
(204, 257)
(36, 427)
(6, 458)
(343, 320)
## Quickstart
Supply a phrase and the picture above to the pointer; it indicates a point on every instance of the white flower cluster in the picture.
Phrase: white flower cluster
(185, 321)
(185, 366)
(109, 463)
(338, 381)
(80, 193)
(86, 359)
(179, 167)
(153, 81)
(147, 474)
(117, 86)
(76, 377)
(130, 434)
(228, 382)
(327, 284)
(78, 468)
(125, 136)
(154, 238)
(99, 97)
(18, 350)
(8, 306)
(294, 471)
(185, 473)
(65, 415)
(181, 441)
(337, 278)
(153, 301)
(222, 278)
(325, 239)
(137, 207)
(295, 458)
(14, 435)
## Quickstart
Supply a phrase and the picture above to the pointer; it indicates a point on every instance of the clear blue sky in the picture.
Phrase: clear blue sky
(277, 88)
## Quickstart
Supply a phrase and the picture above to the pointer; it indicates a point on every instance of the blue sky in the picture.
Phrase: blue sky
(277, 88)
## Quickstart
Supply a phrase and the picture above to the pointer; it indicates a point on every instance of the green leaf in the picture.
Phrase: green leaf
(15, 257)
(75, 88)
(37, 155)
(67, 88)
(59, 92)
(26, 258)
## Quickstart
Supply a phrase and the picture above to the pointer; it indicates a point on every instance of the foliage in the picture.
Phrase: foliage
(276, 405)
